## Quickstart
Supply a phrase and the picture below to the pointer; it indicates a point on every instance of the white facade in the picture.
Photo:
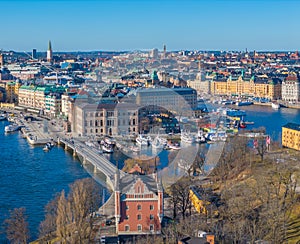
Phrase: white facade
(291, 89)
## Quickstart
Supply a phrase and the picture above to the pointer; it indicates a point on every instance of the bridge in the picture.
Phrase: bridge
(90, 158)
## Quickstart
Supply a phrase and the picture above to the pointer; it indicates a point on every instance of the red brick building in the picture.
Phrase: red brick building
(138, 205)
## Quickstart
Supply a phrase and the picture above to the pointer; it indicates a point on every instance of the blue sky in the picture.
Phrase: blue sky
(137, 24)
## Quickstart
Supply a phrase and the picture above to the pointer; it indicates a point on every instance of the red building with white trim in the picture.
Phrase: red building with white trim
(138, 205)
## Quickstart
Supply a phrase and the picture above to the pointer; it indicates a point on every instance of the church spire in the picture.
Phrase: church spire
(49, 52)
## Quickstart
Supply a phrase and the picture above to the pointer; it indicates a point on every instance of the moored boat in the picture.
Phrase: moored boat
(275, 105)
(11, 128)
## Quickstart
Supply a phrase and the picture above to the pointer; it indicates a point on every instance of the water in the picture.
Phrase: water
(272, 120)
(30, 177)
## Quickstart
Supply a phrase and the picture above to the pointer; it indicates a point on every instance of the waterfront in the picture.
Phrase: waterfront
(32, 177)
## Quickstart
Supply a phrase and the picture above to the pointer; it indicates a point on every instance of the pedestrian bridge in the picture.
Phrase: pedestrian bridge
(91, 158)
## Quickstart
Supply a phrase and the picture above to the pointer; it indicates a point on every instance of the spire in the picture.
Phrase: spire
(49, 46)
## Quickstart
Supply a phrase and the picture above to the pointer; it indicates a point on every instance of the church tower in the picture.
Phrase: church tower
(49, 53)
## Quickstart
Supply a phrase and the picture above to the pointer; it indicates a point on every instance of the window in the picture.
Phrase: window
(151, 216)
(127, 228)
(139, 207)
(127, 217)
(139, 217)
(127, 207)
(151, 227)
(139, 227)
(151, 207)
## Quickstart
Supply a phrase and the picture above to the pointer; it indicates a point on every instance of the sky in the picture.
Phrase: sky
(115, 25)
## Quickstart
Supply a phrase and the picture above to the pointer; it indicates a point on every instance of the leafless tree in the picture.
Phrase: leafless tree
(16, 226)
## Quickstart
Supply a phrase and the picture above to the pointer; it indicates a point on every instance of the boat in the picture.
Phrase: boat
(158, 143)
(47, 147)
(244, 103)
(2, 117)
(187, 138)
(200, 137)
(275, 105)
(216, 136)
(242, 124)
(11, 128)
(142, 140)
(106, 148)
(173, 146)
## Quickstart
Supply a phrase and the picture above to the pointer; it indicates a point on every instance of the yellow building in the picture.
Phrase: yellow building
(199, 204)
(291, 136)
(12, 91)
(243, 86)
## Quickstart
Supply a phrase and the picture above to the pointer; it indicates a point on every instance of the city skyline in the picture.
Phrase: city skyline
(143, 25)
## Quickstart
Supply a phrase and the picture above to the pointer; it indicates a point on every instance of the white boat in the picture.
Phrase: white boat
(11, 128)
(142, 140)
(187, 138)
(275, 105)
(200, 137)
(46, 148)
(2, 117)
(107, 148)
(158, 143)
(173, 146)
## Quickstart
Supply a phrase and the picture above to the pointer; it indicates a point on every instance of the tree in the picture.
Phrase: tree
(47, 227)
(84, 200)
(16, 226)
(63, 218)
(180, 197)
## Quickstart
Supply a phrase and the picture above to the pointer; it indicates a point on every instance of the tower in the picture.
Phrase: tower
(49, 52)
(165, 51)
(1, 60)
(33, 56)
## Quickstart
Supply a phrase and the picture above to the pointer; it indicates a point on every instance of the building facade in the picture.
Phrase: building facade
(291, 88)
(170, 99)
(138, 205)
(104, 119)
(291, 136)
(247, 86)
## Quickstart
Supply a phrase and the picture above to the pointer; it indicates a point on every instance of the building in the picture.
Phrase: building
(291, 136)
(1, 60)
(33, 55)
(49, 53)
(35, 97)
(103, 119)
(246, 86)
(154, 53)
(138, 204)
(174, 99)
(53, 105)
(12, 91)
(291, 88)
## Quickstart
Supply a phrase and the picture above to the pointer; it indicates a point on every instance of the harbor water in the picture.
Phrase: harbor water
(30, 177)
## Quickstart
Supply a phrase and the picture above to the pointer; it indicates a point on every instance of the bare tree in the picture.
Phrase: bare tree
(47, 227)
(16, 226)
(63, 218)
(84, 200)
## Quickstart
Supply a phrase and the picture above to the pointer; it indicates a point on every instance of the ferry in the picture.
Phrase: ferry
(11, 128)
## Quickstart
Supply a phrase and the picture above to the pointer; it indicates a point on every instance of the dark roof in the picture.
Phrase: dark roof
(292, 126)
(194, 240)
(129, 180)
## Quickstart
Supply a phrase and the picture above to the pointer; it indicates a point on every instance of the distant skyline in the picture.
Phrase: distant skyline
(117, 25)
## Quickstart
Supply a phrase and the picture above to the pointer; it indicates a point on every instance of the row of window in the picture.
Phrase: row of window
(139, 217)
(139, 228)
(139, 207)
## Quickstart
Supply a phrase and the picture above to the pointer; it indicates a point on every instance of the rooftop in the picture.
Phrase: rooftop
(292, 126)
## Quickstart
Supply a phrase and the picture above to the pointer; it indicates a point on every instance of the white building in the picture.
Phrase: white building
(291, 88)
